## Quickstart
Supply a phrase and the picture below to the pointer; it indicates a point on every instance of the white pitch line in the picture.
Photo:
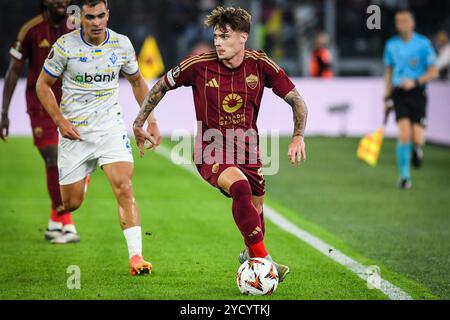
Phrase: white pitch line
(390, 290)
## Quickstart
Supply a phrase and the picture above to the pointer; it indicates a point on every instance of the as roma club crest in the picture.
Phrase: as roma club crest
(38, 132)
(252, 81)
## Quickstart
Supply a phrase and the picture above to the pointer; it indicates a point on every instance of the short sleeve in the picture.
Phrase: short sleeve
(21, 49)
(56, 62)
(429, 53)
(130, 66)
(387, 55)
(276, 78)
(182, 74)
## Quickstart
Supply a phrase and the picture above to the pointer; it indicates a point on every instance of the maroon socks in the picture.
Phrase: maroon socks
(247, 218)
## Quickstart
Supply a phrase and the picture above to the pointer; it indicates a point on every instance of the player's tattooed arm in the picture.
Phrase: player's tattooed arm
(140, 90)
(152, 99)
(300, 111)
(296, 149)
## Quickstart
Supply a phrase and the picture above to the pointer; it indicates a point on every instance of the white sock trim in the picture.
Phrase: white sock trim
(53, 225)
(133, 236)
(69, 228)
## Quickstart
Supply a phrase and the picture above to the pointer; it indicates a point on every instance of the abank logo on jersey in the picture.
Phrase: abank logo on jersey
(98, 77)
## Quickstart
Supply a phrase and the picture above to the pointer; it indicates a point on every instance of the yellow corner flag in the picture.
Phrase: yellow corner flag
(369, 147)
(150, 61)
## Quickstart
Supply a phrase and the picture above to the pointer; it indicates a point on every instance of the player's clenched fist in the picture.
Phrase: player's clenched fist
(296, 150)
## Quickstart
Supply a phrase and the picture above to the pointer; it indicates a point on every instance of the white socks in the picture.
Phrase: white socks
(53, 225)
(134, 240)
(69, 228)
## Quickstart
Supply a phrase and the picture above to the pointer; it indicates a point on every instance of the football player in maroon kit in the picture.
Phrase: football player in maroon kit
(33, 44)
(228, 85)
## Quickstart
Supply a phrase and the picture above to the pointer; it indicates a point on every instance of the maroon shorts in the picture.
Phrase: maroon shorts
(45, 132)
(253, 172)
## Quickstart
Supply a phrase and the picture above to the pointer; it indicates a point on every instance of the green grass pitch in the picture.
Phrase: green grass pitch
(190, 237)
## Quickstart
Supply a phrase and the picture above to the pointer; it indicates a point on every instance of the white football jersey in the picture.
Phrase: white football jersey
(91, 79)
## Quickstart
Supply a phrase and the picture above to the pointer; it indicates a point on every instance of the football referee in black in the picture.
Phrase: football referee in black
(410, 63)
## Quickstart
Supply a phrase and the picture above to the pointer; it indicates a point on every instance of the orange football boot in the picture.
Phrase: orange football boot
(138, 266)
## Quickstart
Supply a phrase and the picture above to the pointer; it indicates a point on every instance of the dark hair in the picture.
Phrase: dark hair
(403, 11)
(237, 18)
(92, 3)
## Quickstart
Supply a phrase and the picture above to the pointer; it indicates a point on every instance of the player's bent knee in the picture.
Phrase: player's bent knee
(230, 176)
(125, 191)
(72, 204)
(240, 188)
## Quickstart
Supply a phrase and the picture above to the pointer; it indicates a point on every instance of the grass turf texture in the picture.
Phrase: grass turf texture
(193, 242)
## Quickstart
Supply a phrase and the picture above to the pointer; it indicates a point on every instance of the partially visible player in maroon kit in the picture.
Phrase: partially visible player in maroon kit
(33, 44)
(228, 85)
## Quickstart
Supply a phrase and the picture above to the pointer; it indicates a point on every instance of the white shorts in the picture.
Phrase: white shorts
(77, 159)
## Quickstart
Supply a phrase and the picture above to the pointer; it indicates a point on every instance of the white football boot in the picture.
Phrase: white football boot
(69, 235)
(54, 230)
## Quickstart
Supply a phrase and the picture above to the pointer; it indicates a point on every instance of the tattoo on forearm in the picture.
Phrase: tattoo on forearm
(150, 102)
(300, 111)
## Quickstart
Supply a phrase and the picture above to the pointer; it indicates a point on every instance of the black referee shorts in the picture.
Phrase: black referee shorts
(410, 104)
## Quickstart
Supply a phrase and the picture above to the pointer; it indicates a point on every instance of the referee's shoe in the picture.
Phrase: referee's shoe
(417, 157)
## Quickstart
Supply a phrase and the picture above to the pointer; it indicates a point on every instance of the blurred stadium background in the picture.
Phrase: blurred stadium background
(285, 29)
(334, 196)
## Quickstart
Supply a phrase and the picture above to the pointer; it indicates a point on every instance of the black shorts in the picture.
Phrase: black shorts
(410, 104)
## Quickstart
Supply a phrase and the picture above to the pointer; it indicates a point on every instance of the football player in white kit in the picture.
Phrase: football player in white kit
(90, 121)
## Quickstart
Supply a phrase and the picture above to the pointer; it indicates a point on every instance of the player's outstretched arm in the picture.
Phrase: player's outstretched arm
(12, 75)
(48, 100)
(296, 150)
(151, 100)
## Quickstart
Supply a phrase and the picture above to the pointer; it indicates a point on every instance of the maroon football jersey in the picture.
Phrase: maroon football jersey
(227, 98)
(34, 42)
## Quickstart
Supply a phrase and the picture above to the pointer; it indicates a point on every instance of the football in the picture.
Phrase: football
(257, 276)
